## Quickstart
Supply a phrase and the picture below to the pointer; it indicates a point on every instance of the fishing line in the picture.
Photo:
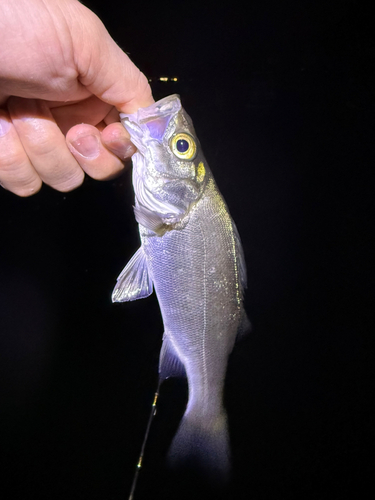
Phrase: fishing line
(140, 459)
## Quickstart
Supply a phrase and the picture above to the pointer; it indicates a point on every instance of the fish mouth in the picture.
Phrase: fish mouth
(168, 104)
(164, 107)
(154, 119)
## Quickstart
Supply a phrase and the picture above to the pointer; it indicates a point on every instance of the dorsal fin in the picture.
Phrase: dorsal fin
(240, 257)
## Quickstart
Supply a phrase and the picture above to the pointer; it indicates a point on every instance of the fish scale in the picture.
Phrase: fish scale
(191, 255)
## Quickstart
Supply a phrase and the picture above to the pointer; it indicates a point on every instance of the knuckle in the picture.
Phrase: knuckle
(10, 161)
(44, 148)
(27, 190)
(69, 182)
(143, 84)
(17, 174)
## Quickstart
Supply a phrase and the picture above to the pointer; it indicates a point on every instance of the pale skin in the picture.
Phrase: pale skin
(63, 81)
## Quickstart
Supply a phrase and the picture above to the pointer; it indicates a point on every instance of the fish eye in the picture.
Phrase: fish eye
(183, 146)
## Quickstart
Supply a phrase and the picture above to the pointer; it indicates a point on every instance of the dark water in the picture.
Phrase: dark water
(283, 104)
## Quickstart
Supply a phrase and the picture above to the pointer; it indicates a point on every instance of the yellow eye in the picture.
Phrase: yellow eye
(183, 146)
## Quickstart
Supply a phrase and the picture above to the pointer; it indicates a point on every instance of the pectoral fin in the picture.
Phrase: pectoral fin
(170, 365)
(134, 282)
(149, 219)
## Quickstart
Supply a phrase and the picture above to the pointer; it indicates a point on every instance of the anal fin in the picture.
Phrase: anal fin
(170, 365)
(244, 327)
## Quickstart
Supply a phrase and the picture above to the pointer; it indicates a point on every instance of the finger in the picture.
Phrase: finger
(84, 142)
(16, 172)
(116, 139)
(112, 117)
(105, 69)
(44, 144)
(91, 111)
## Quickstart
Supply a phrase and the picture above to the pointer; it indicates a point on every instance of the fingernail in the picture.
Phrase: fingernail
(123, 150)
(4, 126)
(87, 146)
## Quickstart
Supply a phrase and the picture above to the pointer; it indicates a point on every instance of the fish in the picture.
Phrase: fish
(191, 254)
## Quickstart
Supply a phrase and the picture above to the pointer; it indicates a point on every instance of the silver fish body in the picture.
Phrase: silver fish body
(191, 253)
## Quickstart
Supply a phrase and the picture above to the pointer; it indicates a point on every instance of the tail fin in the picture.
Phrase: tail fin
(201, 444)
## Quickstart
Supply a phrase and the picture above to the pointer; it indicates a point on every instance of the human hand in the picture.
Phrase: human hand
(62, 74)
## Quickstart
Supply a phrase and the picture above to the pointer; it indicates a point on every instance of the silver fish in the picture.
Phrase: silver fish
(191, 253)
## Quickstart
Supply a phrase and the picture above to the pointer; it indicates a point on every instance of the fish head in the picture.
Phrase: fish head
(169, 171)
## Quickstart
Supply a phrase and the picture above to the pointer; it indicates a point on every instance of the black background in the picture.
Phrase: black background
(281, 95)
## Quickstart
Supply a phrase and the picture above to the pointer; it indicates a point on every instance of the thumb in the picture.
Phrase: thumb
(104, 69)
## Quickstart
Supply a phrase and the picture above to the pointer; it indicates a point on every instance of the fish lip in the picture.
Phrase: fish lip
(143, 115)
